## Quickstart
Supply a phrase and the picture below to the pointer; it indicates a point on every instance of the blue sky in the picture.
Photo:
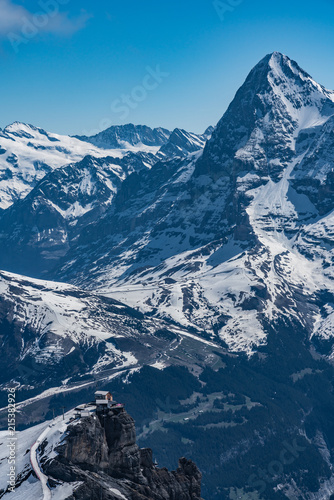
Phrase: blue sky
(85, 65)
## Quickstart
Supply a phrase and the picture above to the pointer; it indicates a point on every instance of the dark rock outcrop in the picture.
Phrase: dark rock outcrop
(101, 453)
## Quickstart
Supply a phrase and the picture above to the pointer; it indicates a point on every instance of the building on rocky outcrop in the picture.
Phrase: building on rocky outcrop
(105, 402)
(100, 454)
(105, 395)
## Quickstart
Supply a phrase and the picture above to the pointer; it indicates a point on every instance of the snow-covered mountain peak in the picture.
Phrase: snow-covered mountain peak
(130, 135)
(283, 67)
(216, 249)
(259, 130)
(23, 129)
(279, 69)
(307, 102)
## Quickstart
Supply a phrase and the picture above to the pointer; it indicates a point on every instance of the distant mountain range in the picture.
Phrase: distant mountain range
(213, 252)
(125, 136)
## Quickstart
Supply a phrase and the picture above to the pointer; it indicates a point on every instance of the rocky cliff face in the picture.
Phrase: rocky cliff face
(101, 453)
(181, 143)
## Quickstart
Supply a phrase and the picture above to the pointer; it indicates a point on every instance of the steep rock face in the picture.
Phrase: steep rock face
(124, 455)
(313, 175)
(141, 230)
(106, 446)
(86, 444)
(181, 143)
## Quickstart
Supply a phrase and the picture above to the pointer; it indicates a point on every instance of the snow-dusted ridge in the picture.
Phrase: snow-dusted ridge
(28, 153)
(62, 319)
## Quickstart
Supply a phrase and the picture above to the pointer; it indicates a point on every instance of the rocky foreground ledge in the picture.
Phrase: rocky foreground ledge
(100, 454)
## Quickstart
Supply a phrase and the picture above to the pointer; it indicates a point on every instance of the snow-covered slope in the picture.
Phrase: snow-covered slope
(52, 332)
(28, 153)
(30, 486)
(210, 241)
(35, 446)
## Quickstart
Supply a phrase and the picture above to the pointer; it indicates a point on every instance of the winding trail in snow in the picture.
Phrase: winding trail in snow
(35, 464)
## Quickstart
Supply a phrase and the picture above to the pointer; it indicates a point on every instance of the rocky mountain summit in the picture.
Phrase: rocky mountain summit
(101, 454)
